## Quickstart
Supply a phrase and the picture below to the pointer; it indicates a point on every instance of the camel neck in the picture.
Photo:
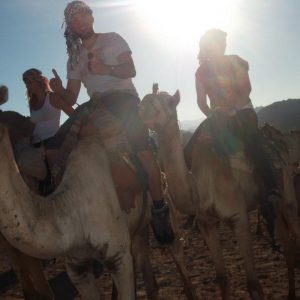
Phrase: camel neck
(177, 173)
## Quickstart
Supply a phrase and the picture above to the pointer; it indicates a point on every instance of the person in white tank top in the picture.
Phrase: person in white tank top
(45, 106)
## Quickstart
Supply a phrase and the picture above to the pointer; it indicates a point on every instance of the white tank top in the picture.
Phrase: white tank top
(46, 121)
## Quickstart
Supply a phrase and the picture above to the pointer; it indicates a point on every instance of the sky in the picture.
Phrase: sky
(163, 36)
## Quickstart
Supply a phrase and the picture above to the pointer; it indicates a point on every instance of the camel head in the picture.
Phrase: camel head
(271, 132)
(3, 94)
(287, 142)
(158, 108)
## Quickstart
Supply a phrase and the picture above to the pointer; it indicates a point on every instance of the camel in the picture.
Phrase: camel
(138, 217)
(211, 190)
(29, 270)
(74, 221)
(137, 222)
(287, 220)
(205, 189)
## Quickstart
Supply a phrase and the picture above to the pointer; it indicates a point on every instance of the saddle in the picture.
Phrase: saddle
(217, 133)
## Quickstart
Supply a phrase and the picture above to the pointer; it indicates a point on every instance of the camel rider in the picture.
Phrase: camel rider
(45, 110)
(103, 63)
(44, 105)
(231, 118)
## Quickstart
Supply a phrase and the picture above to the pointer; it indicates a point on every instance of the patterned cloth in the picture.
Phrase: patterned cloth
(72, 40)
(98, 116)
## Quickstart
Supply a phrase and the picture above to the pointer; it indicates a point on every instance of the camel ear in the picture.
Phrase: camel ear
(176, 98)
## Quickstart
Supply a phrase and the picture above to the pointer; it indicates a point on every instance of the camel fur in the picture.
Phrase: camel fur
(29, 270)
(287, 213)
(74, 221)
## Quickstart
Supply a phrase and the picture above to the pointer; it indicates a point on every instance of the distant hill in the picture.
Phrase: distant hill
(284, 115)
(190, 125)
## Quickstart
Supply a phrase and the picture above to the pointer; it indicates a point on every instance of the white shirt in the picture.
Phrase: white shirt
(46, 121)
(107, 48)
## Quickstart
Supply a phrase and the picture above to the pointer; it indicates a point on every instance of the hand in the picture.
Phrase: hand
(56, 83)
(3, 94)
(96, 66)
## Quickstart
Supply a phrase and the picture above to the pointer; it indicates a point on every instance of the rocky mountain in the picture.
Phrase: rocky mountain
(284, 115)
(190, 125)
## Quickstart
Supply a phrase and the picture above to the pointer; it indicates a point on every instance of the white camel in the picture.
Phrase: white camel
(29, 270)
(81, 219)
(212, 191)
(138, 218)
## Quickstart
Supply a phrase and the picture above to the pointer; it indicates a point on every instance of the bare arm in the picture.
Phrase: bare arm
(202, 98)
(69, 94)
(57, 102)
(244, 83)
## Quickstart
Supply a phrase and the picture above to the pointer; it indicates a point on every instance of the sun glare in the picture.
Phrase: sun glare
(183, 20)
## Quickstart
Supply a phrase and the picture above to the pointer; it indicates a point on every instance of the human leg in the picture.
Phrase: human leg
(125, 107)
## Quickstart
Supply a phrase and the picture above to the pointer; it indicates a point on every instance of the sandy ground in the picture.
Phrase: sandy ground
(270, 266)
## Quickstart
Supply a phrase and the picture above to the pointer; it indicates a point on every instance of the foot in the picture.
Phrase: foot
(161, 224)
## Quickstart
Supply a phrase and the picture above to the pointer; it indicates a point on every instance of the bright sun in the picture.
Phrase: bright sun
(183, 20)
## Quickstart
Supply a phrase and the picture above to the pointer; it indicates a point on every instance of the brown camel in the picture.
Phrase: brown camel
(287, 219)
(213, 191)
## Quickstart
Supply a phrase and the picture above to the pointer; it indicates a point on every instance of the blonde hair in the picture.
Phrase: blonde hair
(36, 75)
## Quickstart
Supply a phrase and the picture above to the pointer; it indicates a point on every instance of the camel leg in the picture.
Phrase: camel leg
(140, 249)
(290, 206)
(289, 252)
(123, 276)
(212, 237)
(141, 254)
(241, 226)
(259, 223)
(177, 254)
(292, 220)
(81, 274)
(178, 257)
(30, 273)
